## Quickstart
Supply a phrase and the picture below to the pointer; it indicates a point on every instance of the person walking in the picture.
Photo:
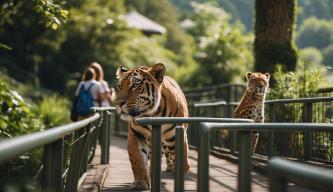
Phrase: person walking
(89, 93)
(106, 97)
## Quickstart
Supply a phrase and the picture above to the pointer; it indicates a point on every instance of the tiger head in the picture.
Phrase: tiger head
(257, 83)
(139, 90)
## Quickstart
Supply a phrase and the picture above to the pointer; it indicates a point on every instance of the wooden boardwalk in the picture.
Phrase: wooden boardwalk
(223, 174)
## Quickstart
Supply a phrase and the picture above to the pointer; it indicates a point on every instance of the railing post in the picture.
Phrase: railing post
(307, 139)
(214, 132)
(86, 149)
(116, 123)
(109, 116)
(232, 133)
(196, 128)
(244, 166)
(155, 174)
(104, 139)
(272, 112)
(76, 159)
(203, 159)
(53, 166)
(230, 96)
(179, 175)
(277, 184)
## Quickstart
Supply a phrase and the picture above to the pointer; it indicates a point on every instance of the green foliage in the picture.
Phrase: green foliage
(328, 55)
(164, 13)
(315, 33)
(49, 12)
(301, 83)
(54, 110)
(16, 116)
(312, 57)
(224, 53)
(322, 9)
(16, 119)
(241, 10)
(52, 14)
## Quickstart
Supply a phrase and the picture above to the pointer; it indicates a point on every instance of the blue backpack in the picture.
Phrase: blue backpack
(85, 101)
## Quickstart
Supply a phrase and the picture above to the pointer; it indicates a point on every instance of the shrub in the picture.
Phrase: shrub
(17, 118)
(295, 84)
(54, 110)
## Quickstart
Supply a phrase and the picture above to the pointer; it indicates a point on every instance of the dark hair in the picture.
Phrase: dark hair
(89, 74)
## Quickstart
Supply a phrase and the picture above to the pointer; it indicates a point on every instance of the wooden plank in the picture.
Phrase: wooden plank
(223, 174)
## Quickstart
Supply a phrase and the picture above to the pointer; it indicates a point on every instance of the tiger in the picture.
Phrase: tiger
(147, 92)
(251, 105)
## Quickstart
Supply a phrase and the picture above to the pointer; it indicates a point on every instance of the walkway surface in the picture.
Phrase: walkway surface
(223, 174)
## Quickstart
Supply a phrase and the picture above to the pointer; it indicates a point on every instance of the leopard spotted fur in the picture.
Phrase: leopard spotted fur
(251, 105)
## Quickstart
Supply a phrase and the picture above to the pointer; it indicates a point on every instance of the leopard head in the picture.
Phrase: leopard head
(257, 83)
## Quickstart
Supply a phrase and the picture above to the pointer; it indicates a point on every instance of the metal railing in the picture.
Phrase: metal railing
(313, 145)
(306, 145)
(73, 144)
(155, 165)
(244, 162)
(227, 92)
(281, 171)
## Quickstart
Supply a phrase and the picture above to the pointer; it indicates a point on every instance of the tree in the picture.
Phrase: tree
(322, 9)
(315, 33)
(22, 24)
(223, 52)
(274, 31)
(165, 13)
(328, 55)
(49, 13)
(312, 58)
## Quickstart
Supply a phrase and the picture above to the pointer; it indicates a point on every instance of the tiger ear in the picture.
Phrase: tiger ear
(158, 71)
(248, 75)
(268, 76)
(120, 71)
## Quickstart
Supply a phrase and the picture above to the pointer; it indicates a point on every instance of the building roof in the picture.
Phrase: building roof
(144, 24)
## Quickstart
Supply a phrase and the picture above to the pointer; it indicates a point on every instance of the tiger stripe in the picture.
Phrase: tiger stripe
(147, 92)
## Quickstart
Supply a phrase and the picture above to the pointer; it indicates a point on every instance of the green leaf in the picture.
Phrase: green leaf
(54, 26)
(3, 46)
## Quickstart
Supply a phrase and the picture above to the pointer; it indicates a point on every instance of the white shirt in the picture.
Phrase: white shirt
(95, 89)
(105, 88)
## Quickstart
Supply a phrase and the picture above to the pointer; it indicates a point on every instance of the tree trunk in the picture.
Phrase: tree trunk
(274, 42)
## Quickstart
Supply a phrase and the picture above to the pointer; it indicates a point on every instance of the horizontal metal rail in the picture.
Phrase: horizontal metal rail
(301, 100)
(213, 87)
(179, 120)
(286, 101)
(272, 126)
(207, 104)
(75, 141)
(99, 109)
(245, 129)
(12, 147)
(156, 123)
(281, 171)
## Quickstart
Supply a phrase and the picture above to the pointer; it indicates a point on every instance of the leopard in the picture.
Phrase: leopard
(251, 105)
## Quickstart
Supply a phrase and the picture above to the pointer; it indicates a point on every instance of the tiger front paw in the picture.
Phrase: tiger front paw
(140, 185)
(187, 167)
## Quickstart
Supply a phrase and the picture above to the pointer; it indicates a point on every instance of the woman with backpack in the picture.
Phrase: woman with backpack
(106, 98)
(89, 93)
